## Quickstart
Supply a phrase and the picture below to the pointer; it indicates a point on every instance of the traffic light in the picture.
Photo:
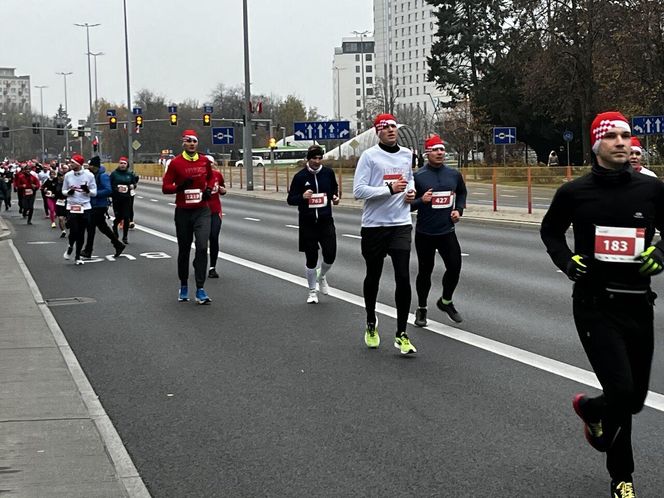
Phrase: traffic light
(35, 128)
(61, 129)
(207, 119)
(5, 132)
(139, 121)
(113, 123)
(80, 132)
(272, 144)
(174, 119)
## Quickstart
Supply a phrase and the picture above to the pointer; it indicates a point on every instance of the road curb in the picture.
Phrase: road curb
(5, 230)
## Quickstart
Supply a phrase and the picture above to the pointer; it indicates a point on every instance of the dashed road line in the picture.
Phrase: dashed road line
(251, 219)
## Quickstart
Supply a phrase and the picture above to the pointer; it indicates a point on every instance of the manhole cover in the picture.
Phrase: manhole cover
(66, 301)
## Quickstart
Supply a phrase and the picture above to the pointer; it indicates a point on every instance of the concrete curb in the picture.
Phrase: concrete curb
(5, 230)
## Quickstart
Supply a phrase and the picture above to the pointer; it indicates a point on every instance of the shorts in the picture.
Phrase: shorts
(313, 235)
(377, 242)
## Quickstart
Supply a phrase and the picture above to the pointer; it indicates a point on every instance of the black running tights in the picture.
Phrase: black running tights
(402, 292)
(448, 247)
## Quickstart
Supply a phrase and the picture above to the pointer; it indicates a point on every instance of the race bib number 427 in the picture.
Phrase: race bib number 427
(618, 244)
(442, 200)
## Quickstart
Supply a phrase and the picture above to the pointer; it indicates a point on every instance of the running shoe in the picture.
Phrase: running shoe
(53, 224)
(421, 317)
(202, 297)
(132, 226)
(450, 310)
(184, 294)
(313, 297)
(213, 273)
(118, 249)
(68, 252)
(125, 242)
(623, 489)
(322, 284)
(85, 254)
(403, 344)
(371, 337)
(63, 234)
(593, 430)
(79, 261)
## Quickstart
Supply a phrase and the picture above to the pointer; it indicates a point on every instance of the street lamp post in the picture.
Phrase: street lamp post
(93, 54)
(130, 150)
(247, 154)
(337, 69)
(362, 34)
(41, 118)
(87, 32)
(64, 76)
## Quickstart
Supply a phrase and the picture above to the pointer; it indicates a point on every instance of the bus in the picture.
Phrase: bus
(282, 155)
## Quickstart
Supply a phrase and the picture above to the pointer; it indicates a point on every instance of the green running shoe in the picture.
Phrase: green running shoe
(371, 337)
(403, 344)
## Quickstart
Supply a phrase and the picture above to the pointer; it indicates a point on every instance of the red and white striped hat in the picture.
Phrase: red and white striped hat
(383, 120)
(604, 122)
(636, 145)
(432, 143)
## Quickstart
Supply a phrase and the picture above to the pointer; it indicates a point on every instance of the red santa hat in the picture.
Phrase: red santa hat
(602, 123)
(123, 159)
(383, 120)
(434, 142)
(189, 135)
(78, 159)
(636, 145)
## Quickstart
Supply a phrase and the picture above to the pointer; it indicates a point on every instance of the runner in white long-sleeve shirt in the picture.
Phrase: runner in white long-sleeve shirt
(384, 180)
(79, 185)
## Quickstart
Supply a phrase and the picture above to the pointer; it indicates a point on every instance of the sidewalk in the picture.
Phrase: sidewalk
(55, 438)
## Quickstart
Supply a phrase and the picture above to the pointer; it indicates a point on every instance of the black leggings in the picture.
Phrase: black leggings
(215, 228)
(28, 206)
(98, 221)
(616, 331)
(192, 225)
(448, 247)
(78, 222)
(402, 293)
(122, 210)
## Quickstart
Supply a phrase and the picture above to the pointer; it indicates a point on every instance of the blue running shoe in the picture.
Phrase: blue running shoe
(202, 297)
(184, 294)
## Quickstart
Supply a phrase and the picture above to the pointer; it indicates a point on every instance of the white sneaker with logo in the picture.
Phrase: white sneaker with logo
(313, 297)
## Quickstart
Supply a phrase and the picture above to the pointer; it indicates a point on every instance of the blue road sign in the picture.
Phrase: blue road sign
(504, 136)
(568, 136)
(648, 125)
(137, 111)
(173, 109)
(223, 136)
(322, 130)
(208, 109)
(110, 112)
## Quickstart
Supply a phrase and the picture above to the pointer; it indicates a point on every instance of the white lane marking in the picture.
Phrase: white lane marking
(654, 400)
(120, 459)
(140, 197)
(172, 204)
(41, 242)
(351, 236)
(251, 219)
(507, 195)
(465, 254)
(154, 200)
(479, 193)
(292, 226)
(542, 198)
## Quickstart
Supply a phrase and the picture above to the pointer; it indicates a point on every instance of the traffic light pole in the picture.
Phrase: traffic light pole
(130, 150)
(246, 136)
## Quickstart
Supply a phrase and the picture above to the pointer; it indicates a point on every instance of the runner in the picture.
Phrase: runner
(27, 186)
(636, 156)
(215, 216)
(99, 210)
(48, 190)
(122, 184)
(615, 212)
(189, 176)
(61, 204)
(79, 185)
(382, 177)
(313, 190)
(440, 201)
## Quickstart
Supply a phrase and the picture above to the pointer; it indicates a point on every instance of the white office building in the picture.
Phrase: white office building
(353, 73)
(14, 91)
(404, 31)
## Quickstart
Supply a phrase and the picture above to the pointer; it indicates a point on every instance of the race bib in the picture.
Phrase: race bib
(442, 200)
(619, 245)
(60, 202)
(193, 196)
(29, 191)
(123, 189)
(49, 194)
(318, 200)
(391, 178)
(75, 208)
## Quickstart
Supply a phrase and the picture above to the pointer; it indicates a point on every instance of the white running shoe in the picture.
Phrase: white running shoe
(322, 285)
(68, 252)
(78, 262)
(313, 297)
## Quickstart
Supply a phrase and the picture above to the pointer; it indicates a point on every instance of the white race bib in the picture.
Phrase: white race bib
(193, 196)
(60, 202)
(618, 244)
(123, 189)
(391, 178)
(49, 194)
(29, 191)
(318, 200)
(75, 208)
(442, 200)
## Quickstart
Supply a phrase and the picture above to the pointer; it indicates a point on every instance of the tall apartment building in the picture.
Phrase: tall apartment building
(14, 91)
(404, 32)
(353, 76)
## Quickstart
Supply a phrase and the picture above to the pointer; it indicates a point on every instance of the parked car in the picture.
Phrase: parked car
(257, 162)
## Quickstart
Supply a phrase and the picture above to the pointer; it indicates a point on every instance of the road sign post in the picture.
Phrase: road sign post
(504, 136)
(568, 136)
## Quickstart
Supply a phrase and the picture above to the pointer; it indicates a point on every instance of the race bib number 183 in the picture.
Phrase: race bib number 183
(618, 244)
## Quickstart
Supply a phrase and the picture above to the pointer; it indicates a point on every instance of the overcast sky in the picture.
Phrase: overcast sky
(178, 48)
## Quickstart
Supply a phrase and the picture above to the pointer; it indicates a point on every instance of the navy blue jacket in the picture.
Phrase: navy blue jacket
(443, 179)
(324, 181)
(103, 189)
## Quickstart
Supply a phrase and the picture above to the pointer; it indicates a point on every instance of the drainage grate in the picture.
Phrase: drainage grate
(66, 301)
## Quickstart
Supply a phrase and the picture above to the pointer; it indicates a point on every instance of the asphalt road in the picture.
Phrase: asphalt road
(260, 394)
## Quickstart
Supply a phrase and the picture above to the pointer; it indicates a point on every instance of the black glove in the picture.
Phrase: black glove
(185, 185)
(71, 191)
(207, 193)
(577, 268)
(85, 188)
(652, 260)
